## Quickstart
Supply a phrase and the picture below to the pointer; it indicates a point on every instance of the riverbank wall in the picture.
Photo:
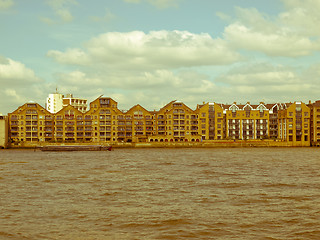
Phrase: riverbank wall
(203, 144)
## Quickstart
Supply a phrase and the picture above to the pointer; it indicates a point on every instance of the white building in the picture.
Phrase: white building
(3, 131)
(54, 102)
(78, 103)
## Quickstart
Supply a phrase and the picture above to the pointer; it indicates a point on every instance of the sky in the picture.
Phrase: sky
(150, 52)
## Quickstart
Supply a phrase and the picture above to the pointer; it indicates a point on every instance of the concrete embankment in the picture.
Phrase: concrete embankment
(204, 144)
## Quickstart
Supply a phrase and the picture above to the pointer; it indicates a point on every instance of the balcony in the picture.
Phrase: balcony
(69, 117)
(14, 123)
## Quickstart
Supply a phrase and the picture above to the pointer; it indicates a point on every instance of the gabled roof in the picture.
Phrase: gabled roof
(68, 107)
(138, 106)
(261, 105)
(247, 105)
(24, 106)
(233, 104)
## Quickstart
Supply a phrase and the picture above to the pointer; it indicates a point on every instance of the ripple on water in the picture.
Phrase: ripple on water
(161, 194)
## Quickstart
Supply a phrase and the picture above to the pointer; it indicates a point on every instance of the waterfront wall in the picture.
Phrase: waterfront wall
(204, 144)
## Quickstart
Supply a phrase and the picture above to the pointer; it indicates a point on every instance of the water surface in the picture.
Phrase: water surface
(223, 193)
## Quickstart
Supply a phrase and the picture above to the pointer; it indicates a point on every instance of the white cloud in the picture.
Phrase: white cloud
(268, 83)
(155, 50)
(303, 15)
(157, 3)
(284, 35)
(106, 18)
(61, 10)
(15, 72)
(6, 4)
(71, 56)
(19, 84)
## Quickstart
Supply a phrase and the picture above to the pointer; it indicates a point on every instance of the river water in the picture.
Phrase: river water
(218, 193)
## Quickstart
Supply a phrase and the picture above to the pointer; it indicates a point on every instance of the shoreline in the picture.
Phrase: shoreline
(204, 144)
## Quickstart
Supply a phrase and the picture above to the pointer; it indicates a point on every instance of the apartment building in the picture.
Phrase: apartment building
(211, 121)
(3, 131)
(246, 121)
(175, 122)
(314, 123)
(56, 101)
(79, 103)
(32, 123)
(294, 123)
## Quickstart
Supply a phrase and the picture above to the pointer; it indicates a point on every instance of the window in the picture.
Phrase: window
(290, 114)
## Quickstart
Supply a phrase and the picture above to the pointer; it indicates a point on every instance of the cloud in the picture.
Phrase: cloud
(284, 35)
(15, 73)
(268, 82)
(106, 18)
(161, 4)
(303, 15)
(155, 50)
(71, 56)
(19, 84)
(6, 4)
(61, 10)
